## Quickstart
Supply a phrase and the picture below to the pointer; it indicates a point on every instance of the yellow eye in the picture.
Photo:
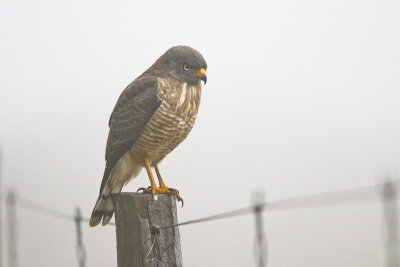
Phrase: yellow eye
(186, 67)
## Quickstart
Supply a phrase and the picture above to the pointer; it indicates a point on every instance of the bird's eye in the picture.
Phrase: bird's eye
(186, 67)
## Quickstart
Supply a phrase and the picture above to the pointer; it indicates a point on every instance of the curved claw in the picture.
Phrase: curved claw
(175, 193)
(142, 189)
(173, 190)
(162, 190)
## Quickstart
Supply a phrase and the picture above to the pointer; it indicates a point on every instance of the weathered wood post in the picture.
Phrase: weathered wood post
(140, 242)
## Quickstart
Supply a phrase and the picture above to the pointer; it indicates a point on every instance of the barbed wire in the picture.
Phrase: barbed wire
(31, 205)
(359, 195)
(35, 206)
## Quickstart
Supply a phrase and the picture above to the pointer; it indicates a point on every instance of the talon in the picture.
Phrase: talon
(147, 190)
(162, 190)
(173, 190)
(175, 193)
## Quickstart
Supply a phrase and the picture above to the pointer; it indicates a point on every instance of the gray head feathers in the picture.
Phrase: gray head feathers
(183, 63)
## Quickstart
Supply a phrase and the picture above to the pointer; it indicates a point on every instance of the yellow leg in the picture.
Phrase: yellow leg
(160, 180)
(153, 189)
(162, 185)
(150, 174)
(163, 189)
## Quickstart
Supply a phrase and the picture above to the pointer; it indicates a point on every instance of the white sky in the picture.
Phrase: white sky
(302, 97)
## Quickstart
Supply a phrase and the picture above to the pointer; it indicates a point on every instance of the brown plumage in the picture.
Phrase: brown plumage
(153, 115)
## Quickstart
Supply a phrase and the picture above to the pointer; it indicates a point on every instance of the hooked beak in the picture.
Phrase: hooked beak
(202, 75)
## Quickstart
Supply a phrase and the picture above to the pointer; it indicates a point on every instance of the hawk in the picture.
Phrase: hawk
(153, 115)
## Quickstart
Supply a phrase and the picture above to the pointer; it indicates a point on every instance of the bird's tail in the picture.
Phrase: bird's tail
(104, 209)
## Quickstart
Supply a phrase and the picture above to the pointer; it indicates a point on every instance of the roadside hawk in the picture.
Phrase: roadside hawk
(153, 115)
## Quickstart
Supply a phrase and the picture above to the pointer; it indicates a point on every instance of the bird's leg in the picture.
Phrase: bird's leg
(160, 180)
(174, 191)
(150, 174)
(153, 189)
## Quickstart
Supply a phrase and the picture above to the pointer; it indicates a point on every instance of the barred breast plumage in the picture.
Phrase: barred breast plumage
(172, 121)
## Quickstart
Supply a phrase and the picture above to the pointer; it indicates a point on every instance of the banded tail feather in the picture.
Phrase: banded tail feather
(103, 211)
(113, 181)
(104, 207)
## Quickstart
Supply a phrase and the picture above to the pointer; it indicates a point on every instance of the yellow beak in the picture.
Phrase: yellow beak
(201, 72)
(202, 75)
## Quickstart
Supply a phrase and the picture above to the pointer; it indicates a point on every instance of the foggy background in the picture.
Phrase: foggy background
(302, 98)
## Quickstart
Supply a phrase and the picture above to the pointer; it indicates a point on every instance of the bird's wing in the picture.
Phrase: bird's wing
(133, 110)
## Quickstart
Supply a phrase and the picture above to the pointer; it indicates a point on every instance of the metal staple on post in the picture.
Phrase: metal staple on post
(80, 248)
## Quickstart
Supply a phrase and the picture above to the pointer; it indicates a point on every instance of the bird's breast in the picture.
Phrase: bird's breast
(172, 121)
(183, 98)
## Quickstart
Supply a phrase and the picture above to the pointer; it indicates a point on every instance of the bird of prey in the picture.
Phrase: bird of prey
(152, 116)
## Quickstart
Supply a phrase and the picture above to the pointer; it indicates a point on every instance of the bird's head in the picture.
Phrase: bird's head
(183, 63)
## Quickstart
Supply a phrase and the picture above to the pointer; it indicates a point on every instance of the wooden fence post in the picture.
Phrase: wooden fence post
(139, 241)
